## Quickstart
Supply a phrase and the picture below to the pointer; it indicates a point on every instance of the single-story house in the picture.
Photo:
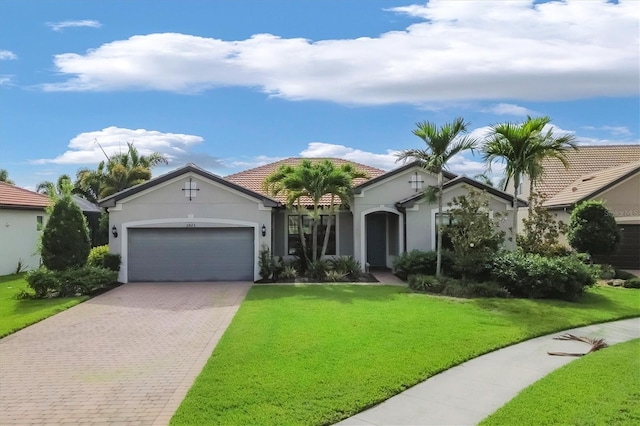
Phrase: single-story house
(22, 219)
(608, 173)
(192, 225)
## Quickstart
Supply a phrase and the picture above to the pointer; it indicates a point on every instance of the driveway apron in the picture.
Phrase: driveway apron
(128, 356)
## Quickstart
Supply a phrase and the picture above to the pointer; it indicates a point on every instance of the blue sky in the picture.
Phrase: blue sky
(231, 85)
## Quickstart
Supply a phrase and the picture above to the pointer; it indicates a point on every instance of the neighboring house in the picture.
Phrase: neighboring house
(191, 225)
(607, 173)
(22, 219)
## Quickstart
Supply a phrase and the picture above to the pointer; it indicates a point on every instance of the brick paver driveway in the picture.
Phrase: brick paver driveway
(125, 357)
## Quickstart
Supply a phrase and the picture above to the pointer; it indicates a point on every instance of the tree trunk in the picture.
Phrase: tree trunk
(303, 240)
(439, 248)
(314, 233)
(516, 184)
(327, 231)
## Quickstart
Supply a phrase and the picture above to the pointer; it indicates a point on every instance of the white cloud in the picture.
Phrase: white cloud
(6, 80)
(86, 148)
(510, 109)
(462, 51)
(613, 130)
(6, 55)
(385, 161)
(59, 26)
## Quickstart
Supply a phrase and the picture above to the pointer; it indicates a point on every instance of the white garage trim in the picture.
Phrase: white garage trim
(124, 237)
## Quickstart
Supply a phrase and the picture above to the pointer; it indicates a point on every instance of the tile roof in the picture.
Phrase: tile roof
(591, 184)
(253, 178)
(12, 196)
(585, 160)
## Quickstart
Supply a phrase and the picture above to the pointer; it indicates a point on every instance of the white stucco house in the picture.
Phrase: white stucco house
(22, 219)
(192, 225)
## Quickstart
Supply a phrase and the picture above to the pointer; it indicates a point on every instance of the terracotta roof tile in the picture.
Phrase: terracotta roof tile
(591, 183)
(587, 159)
(253, 178)
(12, 196)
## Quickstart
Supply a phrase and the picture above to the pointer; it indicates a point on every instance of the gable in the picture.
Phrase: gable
(174, 188)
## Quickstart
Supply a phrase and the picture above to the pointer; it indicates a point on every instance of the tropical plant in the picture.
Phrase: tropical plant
(306, 185)
(55, 191)
(4, 177)
(442, 144)
(65, 240)
(483, 178)
(593, 229)
(522, 147)
(119, 172)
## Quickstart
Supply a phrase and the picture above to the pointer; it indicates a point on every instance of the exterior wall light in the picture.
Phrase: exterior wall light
(114, 231)
(264, 231)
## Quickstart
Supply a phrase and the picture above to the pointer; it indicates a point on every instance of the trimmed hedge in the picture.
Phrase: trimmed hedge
(70, 282)
(538, 277)
(96, 255)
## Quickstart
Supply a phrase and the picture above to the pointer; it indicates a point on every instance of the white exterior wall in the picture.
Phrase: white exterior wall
(381, 197)
(165, 205)
(19, 238)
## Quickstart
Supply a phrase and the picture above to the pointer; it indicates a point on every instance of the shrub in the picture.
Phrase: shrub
(83, 280)
(623, 275)
(288, 272)
(333, 275)
(318, 270)
(607, 272)
(541, 231)
(65, 240)
(347, 266)
(421, 262)
(538, 277)
(428, 283)
(593, 229)
(270, 267)
(112, 261)
(96, 255)
(632, 283)
(474, 234)
(469, 290)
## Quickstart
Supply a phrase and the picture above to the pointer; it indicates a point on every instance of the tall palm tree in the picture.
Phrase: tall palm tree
(4, 177)
(118, 173)
(309, 182)
(441, 145)
(522, 147)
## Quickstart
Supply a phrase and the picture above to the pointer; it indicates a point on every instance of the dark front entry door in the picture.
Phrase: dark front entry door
(377, 239)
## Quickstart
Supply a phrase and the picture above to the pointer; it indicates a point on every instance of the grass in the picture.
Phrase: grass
(598, 389)
(318, 354)
(16, 314)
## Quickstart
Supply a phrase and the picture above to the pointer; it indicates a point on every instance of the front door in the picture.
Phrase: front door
(377, 239)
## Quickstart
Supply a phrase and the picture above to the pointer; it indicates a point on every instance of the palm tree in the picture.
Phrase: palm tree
(4, 177)
(56, 190)
(441, 145)
(120, 172)
(483, 178)
(522, 147)
(310, 182)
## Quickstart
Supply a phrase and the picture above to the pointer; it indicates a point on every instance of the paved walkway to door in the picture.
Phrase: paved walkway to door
(126, 357)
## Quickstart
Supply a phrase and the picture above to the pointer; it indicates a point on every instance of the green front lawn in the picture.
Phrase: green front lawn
(16, 314)
(318, 354)
(598, 389)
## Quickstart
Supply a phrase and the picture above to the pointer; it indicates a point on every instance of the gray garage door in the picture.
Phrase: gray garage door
(628, 254)
(191, 254)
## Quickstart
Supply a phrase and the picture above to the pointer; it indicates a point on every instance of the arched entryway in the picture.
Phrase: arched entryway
(382, 238)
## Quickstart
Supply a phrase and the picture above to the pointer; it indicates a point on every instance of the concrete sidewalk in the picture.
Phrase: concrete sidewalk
(466, 394)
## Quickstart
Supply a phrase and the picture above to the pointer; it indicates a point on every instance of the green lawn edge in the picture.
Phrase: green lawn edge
(17, 314)
(599, 388)
(249, 379)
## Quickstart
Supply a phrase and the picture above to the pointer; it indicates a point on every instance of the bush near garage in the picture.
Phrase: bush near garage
(537, 277)
(70, 282)
(96, 255)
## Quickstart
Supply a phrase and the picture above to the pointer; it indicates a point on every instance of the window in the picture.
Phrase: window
(39, 223)
(293, 236)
